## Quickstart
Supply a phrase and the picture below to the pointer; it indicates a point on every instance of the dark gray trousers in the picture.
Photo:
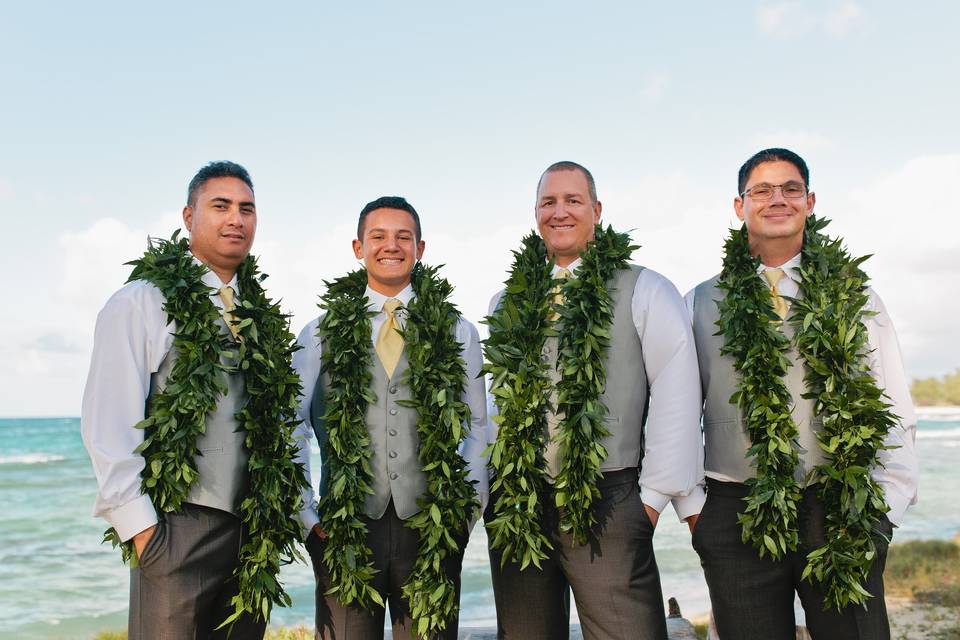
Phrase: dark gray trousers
(183, 586)
(614, 576)
(753, 597)
(394, 549)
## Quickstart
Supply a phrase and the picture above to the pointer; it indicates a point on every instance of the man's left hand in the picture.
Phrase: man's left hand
(692, 521)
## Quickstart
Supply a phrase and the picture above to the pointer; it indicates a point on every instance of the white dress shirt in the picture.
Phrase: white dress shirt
(898, 472)
(132, 337)
(307, 363)
(672, 468)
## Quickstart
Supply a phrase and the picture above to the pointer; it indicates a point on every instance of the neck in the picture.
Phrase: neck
(775, 252)
(390, 290)
(224, 272)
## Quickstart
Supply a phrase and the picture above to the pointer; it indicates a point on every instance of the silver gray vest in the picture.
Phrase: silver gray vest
(394, 442)
(222, 463)
(726, 440)
(626, 393)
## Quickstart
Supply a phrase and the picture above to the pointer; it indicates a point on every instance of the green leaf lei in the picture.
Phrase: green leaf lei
(176, 416)
(521, 388)
(437, 378)
(832, 339)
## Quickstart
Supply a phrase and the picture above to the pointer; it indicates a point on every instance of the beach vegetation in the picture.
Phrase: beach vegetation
(937, 392)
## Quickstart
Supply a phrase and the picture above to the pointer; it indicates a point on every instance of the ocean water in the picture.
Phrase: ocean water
(58, 581)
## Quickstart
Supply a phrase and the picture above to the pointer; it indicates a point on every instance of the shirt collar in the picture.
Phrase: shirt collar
(213, 281)
(377, 299)
(570, 267)
(790, 268)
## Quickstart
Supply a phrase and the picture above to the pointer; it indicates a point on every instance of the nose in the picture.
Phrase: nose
(777, 195)
(235, 217)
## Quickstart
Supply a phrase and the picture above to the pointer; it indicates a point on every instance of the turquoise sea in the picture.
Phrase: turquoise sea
(58, 581)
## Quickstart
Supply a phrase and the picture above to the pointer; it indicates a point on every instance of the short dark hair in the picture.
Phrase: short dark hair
(772, 155)
(567, 165)
(218, 169)
(388, 202)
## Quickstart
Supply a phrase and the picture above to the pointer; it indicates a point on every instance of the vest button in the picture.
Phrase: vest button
(392, 432)
(393, 389)
(392, 454)
(393, 412)
(394, 476)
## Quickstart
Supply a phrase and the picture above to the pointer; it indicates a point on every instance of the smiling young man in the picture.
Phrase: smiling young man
(391, 389)
(805, 349)
(166, 411)
(594, 371)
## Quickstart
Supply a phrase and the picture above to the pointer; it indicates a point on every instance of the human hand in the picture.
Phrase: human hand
(141, 539)
(320, 533)
(692, 521)
(653, 514)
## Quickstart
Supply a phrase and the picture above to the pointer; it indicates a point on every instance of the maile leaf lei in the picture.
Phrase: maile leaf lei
(521, 387)
(832, 340)
(436, 377)
(176, 416)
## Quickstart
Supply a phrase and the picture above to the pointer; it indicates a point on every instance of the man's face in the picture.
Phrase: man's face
(566, 215)
(777, 218)
(222, 223)
(389, 249)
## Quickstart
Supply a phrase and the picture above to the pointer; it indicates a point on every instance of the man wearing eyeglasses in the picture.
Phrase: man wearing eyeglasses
(751, 592)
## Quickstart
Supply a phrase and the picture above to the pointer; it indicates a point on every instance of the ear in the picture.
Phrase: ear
(420, 247)
(738, 207)
(188, 217)
(597, 212)
(358, 249)
(811, 201)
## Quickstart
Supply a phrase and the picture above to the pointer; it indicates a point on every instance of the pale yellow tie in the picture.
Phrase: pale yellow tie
(226, 294)
(389, 340)
(558, 298)
(780, 305)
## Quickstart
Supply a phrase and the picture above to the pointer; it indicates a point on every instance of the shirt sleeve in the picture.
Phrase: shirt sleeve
(474, 445)
(898, 472)
(130, 339)
(492, 410)
(306, 363)
(673, 447)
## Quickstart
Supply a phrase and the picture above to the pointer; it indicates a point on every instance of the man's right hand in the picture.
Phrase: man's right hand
(141, 539)
(321, 534)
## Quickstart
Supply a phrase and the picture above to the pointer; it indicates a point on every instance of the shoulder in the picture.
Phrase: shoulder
(495, 301)
(137, 298)
(650, 283)
(466, 329)
(308, 334)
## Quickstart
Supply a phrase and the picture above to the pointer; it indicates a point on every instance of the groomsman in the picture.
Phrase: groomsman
(647, 409)
(389, 244)
(751, 591)
(169, 420)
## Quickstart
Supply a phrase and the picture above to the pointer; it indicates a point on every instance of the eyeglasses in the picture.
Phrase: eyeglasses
(764, 191)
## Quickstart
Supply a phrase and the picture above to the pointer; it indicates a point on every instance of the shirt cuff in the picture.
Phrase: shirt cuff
(308, 518)
(132, 518)
(898, 506)
(691, 504)
(654, 499)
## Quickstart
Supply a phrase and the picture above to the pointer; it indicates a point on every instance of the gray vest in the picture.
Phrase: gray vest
(394, 442)
(222, 463)
(625, 395)
(725, 434)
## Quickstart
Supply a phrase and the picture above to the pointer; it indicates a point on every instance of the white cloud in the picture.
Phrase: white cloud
(839, 20)
(794, 19)
(654, 86)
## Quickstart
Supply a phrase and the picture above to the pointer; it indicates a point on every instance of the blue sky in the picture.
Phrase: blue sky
(108, 110)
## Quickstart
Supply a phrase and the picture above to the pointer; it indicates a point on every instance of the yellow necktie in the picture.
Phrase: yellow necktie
(226, 294)
(780, 305)
(389, 341)
(558, 297)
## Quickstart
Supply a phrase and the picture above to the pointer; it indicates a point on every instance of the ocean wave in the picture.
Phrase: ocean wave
(938, 434)
(31, 458)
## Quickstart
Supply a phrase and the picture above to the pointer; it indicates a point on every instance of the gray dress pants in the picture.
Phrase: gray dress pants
(394, 550)
(183, 586)
(753, 597)
(614, 576)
